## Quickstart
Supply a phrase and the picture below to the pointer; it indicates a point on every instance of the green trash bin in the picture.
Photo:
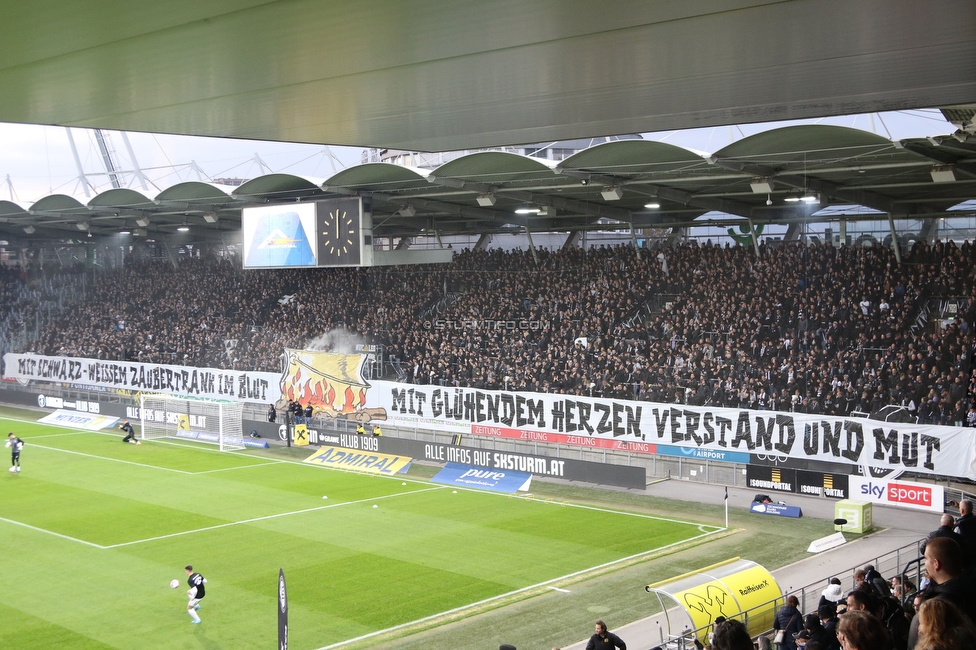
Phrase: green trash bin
(857, 514)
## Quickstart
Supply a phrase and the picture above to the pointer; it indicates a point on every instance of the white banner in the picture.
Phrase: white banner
(334, 386)
(211, 383)
(76, 420)
(644, 427)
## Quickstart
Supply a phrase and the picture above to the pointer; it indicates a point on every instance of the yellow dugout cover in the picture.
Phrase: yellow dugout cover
(735, 588)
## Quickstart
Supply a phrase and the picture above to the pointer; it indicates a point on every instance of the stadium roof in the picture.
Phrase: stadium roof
(622, 184)
(450, 76)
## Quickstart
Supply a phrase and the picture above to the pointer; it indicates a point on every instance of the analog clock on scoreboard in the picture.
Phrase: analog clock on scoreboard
(340, 235)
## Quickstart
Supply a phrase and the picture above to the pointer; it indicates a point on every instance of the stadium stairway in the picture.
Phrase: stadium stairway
(898, 528)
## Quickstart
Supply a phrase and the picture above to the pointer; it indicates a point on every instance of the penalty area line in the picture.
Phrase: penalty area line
(51, 532)
(266, 518)
(57, 435)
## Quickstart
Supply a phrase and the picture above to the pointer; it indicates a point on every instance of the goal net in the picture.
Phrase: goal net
(169, 416)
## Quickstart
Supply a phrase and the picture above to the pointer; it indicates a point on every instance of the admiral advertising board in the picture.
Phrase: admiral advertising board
(535, 464)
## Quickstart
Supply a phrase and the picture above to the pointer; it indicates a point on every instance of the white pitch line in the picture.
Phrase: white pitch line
(51, 532)
(165, 469)
(267, 517)
(227, 469)
(618, 512)
(547, 583)
(114, 460)
(57, 435)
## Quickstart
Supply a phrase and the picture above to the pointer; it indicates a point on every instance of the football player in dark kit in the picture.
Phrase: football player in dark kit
(15, 444)
(130, 434)
(196, 592)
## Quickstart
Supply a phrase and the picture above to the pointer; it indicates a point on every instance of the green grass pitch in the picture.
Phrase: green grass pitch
(93, 531)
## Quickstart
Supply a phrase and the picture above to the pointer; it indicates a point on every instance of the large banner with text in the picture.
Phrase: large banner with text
(210, 383)
(699, 432)
(334, 385)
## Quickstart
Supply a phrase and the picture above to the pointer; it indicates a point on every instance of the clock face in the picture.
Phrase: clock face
(339, 238)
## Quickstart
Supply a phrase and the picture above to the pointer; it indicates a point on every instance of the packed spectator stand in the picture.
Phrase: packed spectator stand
(817, 329)
(820, 329)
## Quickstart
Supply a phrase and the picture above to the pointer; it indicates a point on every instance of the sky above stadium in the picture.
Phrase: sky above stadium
(36, 161)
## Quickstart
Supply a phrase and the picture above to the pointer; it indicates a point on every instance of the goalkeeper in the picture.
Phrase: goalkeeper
(130, 434)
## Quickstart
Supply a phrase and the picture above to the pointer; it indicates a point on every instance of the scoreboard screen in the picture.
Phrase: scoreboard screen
(324, 233)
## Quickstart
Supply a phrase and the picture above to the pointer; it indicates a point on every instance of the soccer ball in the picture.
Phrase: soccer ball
(174, 584)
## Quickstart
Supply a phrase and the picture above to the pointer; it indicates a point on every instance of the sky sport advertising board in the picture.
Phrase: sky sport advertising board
(898, 493)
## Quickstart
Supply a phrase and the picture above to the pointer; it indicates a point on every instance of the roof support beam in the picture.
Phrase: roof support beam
(466, 211)
(804, 182)
(573, 240)
(942, 157)
(558, 202)
(669, 193)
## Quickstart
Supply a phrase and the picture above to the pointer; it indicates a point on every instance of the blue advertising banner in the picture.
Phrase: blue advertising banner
(704, 454)
(483, 479)
(776, 509)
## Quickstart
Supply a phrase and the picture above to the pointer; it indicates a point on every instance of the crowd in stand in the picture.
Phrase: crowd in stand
(16, 299)
(818, 329)
(880, 614)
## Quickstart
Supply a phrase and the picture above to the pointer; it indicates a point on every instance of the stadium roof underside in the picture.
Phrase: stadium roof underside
(451, 76)
(841, 166)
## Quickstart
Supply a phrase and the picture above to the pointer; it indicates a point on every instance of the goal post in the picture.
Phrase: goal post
(212, 421)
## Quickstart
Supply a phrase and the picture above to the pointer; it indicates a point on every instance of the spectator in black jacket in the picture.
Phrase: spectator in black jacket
(790, 620)
(966, 528)
(944, 563)
(604, 639)
(946, 529)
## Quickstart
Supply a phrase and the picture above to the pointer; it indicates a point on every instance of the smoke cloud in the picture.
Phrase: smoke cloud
(338, 340)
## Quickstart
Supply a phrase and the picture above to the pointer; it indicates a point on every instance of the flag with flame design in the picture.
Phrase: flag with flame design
(331, 383)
